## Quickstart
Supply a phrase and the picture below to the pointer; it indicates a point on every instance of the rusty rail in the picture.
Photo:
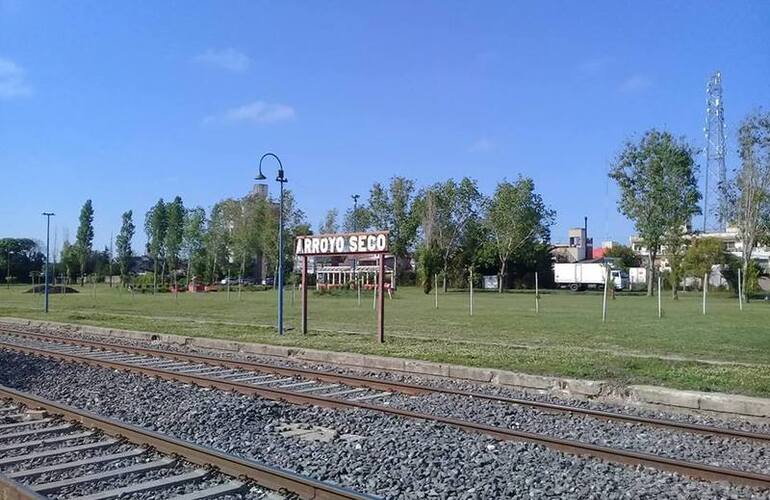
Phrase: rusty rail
(394, 386)
(692, 469)
(264, 475)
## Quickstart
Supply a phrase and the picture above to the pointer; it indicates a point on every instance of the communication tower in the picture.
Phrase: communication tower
(715, 178)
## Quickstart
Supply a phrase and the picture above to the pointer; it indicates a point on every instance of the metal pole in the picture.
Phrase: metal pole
(537, 295)
(740, 290)
(47, 245)
(8, 268)
(705, 286)
(280, 264)
(304, 294)
(660, 304)
(381, 309)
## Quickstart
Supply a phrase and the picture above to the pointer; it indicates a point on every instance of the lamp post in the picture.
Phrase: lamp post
(47, 245)
(281, 179)
(355, 211)
(9, 252)
(355, 228)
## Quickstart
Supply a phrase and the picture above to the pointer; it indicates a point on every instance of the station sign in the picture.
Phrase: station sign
(342, 244)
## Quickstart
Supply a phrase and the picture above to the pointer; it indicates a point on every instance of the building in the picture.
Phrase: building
(578, 248)
(731, 244)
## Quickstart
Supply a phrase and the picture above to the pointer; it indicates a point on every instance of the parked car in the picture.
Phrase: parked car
(268, 281)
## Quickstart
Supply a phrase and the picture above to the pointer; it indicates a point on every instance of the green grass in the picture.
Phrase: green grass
(726, 350)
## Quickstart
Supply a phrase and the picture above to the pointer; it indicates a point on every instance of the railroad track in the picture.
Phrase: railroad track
(292, 384)
(51, 450)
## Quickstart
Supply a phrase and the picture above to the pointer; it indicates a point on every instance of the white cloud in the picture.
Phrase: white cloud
(482, 145)
(635, 83)
(12, 80)
(259, 112)
(229, 59)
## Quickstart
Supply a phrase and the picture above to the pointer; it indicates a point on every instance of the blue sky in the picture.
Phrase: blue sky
(126, 102)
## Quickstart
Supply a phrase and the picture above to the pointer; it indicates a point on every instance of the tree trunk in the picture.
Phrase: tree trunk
(154, 275)
(501, 277)
(651, 274)
(745, 281)
(445, 281)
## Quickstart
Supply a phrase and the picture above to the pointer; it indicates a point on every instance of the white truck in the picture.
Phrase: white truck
(581, 275)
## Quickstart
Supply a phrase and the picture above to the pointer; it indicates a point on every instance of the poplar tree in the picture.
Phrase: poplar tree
(123, 244)
(85, 238)
(174, 233)
(155, 224)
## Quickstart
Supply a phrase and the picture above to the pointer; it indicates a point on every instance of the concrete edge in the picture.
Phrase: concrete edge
(655, 396)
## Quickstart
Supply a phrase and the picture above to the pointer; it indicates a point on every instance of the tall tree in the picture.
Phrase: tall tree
(749, 195)
(85, 238)
(155, 223)
(445, 210)
(295, 224)
(357, 219)
(516, 217)
(624, 255)
(174, 234)
(701, 256)
(391, 208)
(658, 189)
(329, 224)
(220, 248)
(193, 239)
(123, 244)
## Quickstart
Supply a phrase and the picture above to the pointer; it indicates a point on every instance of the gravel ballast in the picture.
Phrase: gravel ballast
(393, 458)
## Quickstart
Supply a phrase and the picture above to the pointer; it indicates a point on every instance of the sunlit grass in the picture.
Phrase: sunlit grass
(566, 338)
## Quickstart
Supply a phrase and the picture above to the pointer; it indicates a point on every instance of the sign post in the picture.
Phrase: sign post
(374, 243)
(304, 294)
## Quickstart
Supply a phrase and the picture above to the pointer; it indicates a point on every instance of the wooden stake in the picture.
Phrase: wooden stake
(705, 287)
(660, 304)
(471, 292)
(604, 296)
(435, 288)
(537, 295)
(740, 290)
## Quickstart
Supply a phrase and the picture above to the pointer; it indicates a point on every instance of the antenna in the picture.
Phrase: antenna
(715, 178)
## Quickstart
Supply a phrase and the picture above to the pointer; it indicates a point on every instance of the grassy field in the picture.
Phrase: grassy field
(726, 350)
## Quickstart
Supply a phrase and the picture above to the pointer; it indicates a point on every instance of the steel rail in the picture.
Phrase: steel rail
(269, 477)
(395, 386)
(692, 469)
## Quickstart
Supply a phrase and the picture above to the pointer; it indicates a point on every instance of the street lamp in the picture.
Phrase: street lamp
(9, 252)
(355, 211)
(281, 179)
(47, 245)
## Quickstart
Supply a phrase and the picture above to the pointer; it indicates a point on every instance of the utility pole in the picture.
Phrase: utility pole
(47, 245)
(111, 238)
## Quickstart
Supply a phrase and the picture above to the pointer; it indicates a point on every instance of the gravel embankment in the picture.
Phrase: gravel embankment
(702, 418)
(393, 458)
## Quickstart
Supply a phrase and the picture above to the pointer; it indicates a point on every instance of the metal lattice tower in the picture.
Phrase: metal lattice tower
(714, 200)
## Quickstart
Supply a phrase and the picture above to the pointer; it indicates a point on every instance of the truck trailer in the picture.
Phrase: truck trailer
(582, 275)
